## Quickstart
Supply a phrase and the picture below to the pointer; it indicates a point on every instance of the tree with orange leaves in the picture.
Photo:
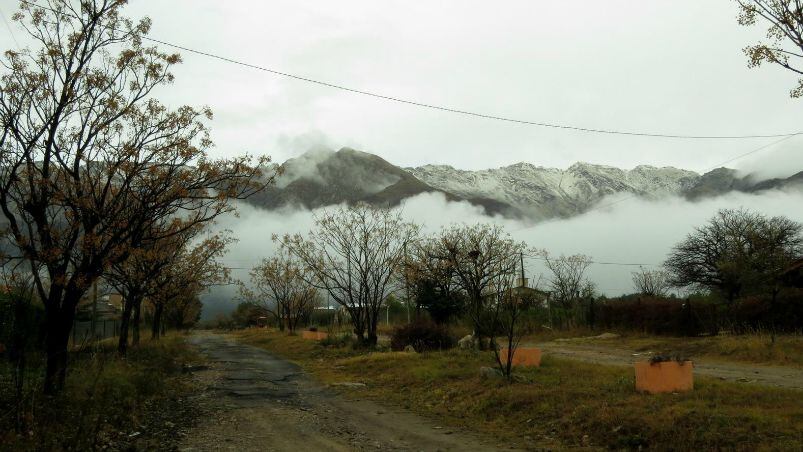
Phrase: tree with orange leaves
(192, 271)
(90, 160)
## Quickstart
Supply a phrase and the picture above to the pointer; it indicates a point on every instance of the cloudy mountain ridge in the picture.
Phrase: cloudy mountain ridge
(324, 177)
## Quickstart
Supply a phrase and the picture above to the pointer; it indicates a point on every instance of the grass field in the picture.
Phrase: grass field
(563, 403)
(107, 401)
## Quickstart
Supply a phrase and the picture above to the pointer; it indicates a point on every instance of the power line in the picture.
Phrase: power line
(458, 111)
(467, 112)
(10, 30)
(622, 264)
(536, 257)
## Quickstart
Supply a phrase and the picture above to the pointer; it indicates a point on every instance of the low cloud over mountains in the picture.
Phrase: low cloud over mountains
(524, 191)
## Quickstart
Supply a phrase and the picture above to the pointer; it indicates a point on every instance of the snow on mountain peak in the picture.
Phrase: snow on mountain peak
(546, 192)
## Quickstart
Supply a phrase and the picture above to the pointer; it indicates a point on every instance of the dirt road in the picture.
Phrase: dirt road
(256, 401)
(784, 377)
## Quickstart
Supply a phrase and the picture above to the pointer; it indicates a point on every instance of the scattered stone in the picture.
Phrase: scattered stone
(349, 384)
(186, 368)
(489, 372)
(601, 336)
(409, 349)
(606, 336)
(466, 343)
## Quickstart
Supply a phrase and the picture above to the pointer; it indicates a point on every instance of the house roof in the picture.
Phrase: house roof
(796, 265)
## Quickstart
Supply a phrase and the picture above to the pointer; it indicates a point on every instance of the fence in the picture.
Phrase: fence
(104, 328)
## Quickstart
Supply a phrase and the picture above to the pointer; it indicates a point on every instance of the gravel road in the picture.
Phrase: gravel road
(257, 401)
(774, 376)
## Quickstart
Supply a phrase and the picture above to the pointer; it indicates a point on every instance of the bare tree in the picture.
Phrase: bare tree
(651, 282)
(784, 45)
(353, 253)
(737, 252)
(89, 158)
(569, 284)
(475, 256)
(280, 286)
(510, 302)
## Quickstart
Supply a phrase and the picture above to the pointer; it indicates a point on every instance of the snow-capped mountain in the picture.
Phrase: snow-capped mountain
(541, 192)
(324, 177)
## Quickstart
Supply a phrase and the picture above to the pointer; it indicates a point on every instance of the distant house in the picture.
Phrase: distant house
(109, 307)
(523, 289)
(794, 274)
(115, 299)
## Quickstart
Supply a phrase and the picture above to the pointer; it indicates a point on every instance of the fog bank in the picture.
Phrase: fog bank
(631, 231)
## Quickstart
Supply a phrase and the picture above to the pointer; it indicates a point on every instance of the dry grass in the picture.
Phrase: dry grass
(105, 399)
(563, 403)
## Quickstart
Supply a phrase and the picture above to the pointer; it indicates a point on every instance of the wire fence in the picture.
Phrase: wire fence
(104, 328)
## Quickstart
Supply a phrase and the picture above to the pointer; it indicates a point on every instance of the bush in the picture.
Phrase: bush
(657, 315)
(337, 340)
(698, 315)
(423, 336)
(760, 312)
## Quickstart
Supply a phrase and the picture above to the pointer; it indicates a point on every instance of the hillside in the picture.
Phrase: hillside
(324, 177)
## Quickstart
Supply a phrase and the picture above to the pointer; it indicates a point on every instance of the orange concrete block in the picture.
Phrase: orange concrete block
(527, 357)
(667, 376)
(314, 335)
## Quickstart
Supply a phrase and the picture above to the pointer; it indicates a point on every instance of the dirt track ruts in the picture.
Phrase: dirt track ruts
(257, 401)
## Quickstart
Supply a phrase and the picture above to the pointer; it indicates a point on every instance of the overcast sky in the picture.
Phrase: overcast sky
(657, 66)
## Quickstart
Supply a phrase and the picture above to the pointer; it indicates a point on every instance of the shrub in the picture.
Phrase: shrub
(702, 314)
(423, 336)
(337, 340)
(657, 315)
(760, 312)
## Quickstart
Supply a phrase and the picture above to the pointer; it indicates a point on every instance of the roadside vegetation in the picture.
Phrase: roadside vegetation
(137, 403)
(562, 403)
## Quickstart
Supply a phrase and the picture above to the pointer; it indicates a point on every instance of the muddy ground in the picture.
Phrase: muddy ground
(252, 400)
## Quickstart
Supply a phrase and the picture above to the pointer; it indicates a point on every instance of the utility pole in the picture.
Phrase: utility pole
(94, 308)
(521, 256)
(406, 283)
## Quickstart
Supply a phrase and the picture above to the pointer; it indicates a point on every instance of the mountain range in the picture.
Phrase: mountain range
(323, 177)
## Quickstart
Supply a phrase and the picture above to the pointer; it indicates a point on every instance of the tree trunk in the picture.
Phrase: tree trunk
(373, 319)
(122, 343)
(59, 324)
(372, 337)
(136, 321)
(157, 321)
